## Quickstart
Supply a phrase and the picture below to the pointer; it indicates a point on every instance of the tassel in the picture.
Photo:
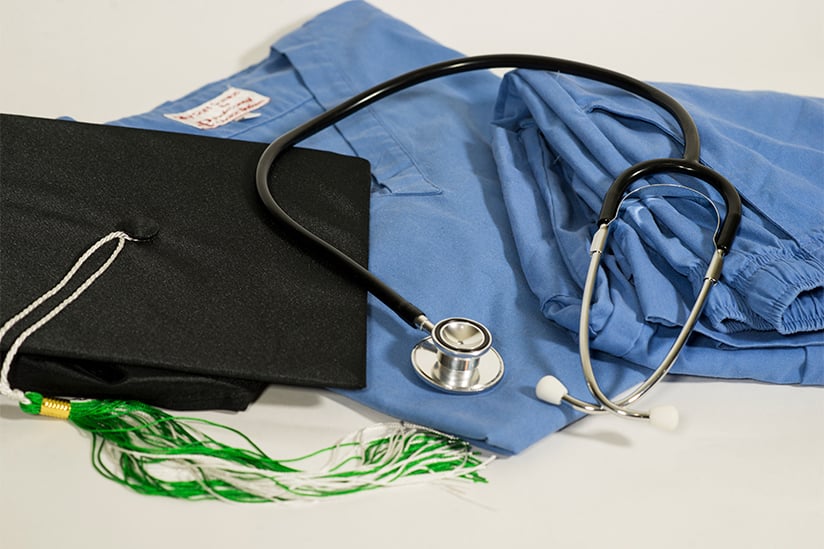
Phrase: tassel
(155, 453)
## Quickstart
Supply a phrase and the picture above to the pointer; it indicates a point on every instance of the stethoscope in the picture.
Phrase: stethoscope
(457, 355)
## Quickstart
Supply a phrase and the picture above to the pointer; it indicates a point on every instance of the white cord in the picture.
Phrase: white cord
(5, 388)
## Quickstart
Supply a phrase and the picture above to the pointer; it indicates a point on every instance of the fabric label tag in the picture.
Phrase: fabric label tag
(233, 104)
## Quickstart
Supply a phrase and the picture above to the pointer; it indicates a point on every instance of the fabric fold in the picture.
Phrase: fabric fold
(569, 138)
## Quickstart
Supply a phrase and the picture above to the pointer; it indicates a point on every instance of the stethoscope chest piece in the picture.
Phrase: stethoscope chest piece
(458, 357)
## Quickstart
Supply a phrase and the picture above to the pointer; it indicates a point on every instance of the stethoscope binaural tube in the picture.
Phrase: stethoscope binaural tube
(451, 357)
(549, 388)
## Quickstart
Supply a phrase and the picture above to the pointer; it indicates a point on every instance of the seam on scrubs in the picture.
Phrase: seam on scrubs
(336, 85)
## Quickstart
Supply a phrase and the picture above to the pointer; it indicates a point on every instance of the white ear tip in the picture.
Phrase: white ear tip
(664, 417)
(550, 389)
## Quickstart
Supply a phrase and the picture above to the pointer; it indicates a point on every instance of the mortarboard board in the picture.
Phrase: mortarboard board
(213, 308)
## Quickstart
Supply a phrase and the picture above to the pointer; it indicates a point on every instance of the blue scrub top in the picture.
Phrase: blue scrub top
(485, 220)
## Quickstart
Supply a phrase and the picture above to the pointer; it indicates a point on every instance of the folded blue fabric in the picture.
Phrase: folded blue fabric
(567, 139)
(440, 231)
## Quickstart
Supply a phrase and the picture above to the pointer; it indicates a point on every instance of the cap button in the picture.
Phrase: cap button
(140, 228)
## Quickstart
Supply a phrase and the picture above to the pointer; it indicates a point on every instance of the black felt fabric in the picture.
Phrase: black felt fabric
(213, 308)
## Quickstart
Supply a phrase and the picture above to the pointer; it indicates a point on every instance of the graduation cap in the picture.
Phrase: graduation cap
(214, 306)
(183, 293)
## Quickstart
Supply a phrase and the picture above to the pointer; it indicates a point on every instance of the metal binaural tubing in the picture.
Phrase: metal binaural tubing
(584, 406)
(583, 339)
(604, 402)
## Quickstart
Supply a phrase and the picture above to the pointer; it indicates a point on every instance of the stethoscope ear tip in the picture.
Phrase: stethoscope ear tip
(664, 417)
(551, 390)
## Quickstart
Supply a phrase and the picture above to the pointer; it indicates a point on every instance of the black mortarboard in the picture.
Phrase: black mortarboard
(212, 309)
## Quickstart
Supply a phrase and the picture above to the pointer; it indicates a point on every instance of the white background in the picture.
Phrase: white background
(746, 467)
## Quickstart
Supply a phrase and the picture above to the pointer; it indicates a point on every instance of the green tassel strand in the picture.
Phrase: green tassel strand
(155, 453)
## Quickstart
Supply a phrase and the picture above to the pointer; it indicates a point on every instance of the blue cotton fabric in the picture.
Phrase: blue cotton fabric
(566, 139)
(444, 230)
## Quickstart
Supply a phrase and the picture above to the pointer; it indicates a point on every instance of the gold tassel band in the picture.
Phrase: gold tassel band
(53, 407)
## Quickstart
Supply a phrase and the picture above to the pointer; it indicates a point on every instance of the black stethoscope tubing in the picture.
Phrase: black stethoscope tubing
(689, 164)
